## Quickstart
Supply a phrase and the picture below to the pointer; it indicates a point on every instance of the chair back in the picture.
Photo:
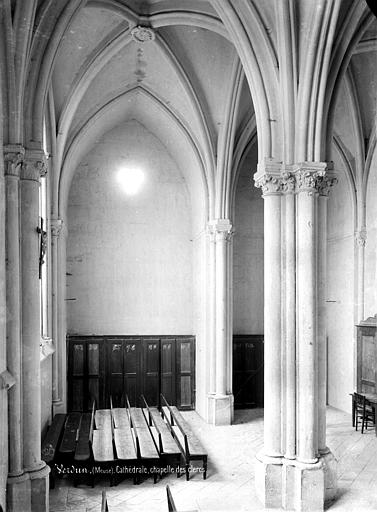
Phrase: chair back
(359, 400)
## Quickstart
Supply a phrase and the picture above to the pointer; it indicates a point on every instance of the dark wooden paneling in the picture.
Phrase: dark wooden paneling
(168, 373)
(151, 370)
(367, 356)
(132, 370)
(116, 366)
(185, 357)
(248, 374)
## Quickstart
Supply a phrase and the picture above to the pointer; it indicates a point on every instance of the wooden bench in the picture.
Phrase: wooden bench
(51, 442)
(167, 447)
(191, 448)
(102, 419)
(145, 445)
(70, 435)
(124, 443)
(83, 453)
(101, 442)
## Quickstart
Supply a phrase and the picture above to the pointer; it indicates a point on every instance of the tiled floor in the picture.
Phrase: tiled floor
(230, 482)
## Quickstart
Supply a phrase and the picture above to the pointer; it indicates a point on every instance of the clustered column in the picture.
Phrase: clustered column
(32, 169)
(221, 400)
(295, 469)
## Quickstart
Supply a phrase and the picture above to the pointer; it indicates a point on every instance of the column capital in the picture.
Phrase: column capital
(221, 229)
(13, 158)
(268, 177)
(314, 177)
(361, 237)
(34, 165)
(56, 226)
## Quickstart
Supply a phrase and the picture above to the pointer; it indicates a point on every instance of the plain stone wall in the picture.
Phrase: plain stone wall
(248, 252)
(129, 258)
(340, 291)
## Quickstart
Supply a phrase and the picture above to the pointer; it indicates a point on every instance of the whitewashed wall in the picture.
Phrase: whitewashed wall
(248, 252)
(129, 258)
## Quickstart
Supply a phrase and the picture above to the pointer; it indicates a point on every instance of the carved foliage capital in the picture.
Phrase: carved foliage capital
(13, 158)
(220, 229)
(34, 166)
(361, 237)
(270, 184)
(56, 227)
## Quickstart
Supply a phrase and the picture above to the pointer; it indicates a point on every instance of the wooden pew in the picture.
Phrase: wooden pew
(191, 448)
(50, 444)
(168, 449)
(83, 454)
(145, 445)
(124, 443)
(102, 419)
(70, 435)
(102, 445)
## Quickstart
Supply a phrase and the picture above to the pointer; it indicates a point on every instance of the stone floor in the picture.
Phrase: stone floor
(230, 482)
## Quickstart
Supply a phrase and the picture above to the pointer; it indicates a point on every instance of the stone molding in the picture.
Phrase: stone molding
(220, 229)
(56, 226)
(142, 34)
(34, 165)
(275, 178)
(13, 157)
(361, 237)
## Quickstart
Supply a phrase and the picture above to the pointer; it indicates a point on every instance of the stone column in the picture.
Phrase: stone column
(18, 484)
(61, 349)
(32, 169)
(313, 471)
(307, 240)
(361, 240)
(288, 183)
(329, 462)
(56, 227)
(221, 408)
(13, 156)
(268, 478)
(212, 310)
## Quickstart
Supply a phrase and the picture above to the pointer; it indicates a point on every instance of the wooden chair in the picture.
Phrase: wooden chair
(363, 412)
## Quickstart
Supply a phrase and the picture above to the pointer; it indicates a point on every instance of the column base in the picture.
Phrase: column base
(220, 409)
(29, 492)
(268, 480)
(40, 489)
(58, 407)
(331, 476)
(18, 493)
(292, 485)
(309, 487)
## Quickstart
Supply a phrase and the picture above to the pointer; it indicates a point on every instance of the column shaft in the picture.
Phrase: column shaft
(322, 341)
(30, 317)
(55, 231)
(272, 325)
(12, 235)
(212, 313)
(307, 325)
(290, 327)
(221, 313)
(62, 317)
